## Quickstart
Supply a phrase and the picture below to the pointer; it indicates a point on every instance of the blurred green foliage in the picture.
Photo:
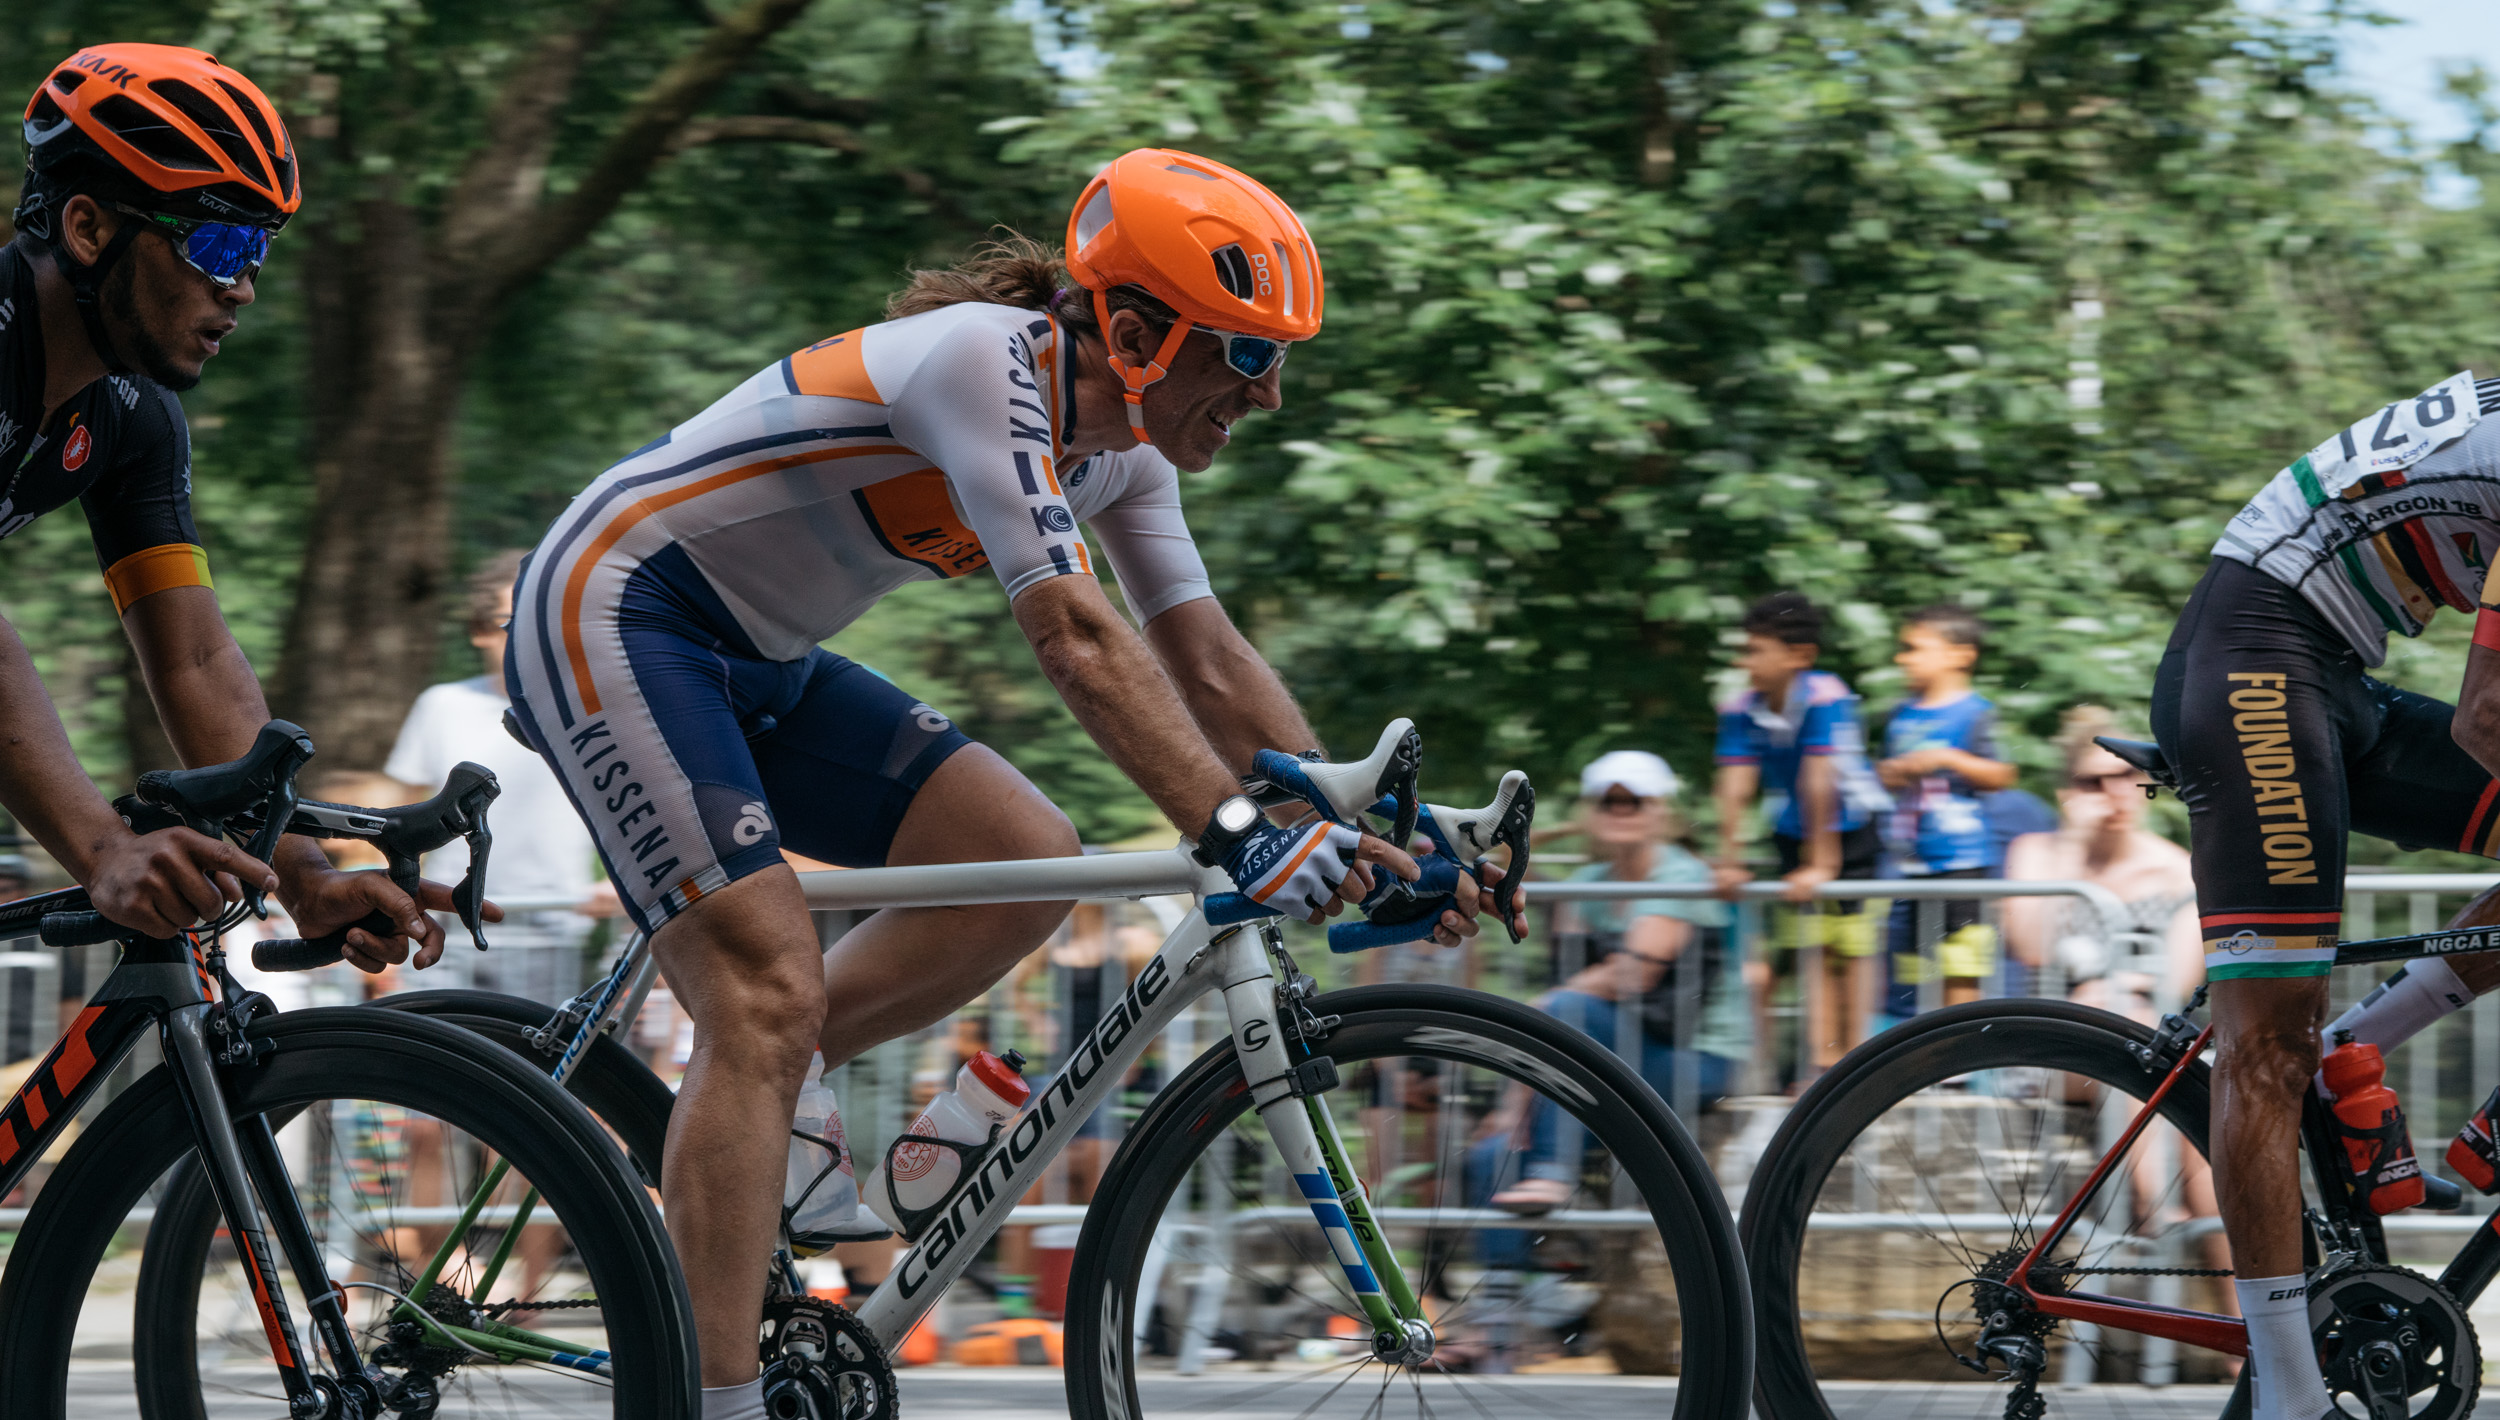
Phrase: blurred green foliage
(1637, 311)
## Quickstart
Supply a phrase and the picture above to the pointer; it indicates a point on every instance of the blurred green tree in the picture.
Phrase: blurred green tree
(1639, 310)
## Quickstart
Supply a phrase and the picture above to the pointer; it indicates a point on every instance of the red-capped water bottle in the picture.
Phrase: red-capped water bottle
(988, 1092)
(2370, 1124)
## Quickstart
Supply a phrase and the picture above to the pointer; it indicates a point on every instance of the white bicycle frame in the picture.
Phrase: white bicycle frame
(1193, 960)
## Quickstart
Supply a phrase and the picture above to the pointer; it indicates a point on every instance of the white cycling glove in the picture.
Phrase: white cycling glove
(1294, 870)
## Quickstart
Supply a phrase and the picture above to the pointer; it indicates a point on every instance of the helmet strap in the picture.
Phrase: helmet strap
(1137, 380)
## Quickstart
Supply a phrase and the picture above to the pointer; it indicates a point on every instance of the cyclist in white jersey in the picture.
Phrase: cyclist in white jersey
(664, 654)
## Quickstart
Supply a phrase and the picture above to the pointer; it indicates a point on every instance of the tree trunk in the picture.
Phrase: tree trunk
(366, 626)
(397, 313)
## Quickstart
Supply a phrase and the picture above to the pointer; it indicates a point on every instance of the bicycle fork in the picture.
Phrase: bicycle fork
(1290, 1097)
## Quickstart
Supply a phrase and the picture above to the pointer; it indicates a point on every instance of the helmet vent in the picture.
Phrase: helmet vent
(251, 111)
(68, 80)
(134, 125)
(1284, 275)
(1095, 217)
(1233, 269)
(43, 112)
(274, 144)
(216, 122)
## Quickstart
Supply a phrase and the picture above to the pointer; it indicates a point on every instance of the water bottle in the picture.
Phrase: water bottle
(2371, 1124)
(826, 1204)
(988, 1092)
(2476, 1155)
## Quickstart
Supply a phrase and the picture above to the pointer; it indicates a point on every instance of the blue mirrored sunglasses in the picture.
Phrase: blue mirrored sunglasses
(224, 252)
(1250, 356)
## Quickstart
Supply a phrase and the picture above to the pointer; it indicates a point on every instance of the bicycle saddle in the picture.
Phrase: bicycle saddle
(2143, 755)
(215, 792)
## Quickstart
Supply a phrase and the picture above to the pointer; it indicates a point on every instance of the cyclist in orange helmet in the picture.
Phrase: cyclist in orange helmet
(666, 658)
(155, 178)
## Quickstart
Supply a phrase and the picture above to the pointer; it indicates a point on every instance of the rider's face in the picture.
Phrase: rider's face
(165, 318)
(1191, 411)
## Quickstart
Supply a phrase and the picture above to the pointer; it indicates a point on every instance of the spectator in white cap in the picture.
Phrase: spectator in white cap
(1658, 980)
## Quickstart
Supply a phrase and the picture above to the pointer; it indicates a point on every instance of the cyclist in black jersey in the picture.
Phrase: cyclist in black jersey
(155, 177)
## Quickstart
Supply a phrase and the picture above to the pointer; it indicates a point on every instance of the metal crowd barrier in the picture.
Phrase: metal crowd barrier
(1054, 999)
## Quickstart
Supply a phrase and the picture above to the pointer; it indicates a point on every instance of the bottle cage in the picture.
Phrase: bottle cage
(912, 1222)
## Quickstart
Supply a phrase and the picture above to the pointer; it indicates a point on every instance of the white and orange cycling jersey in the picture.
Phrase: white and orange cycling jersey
(915, 449)
(664, 653)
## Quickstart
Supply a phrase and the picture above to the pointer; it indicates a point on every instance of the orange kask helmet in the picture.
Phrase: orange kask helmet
(1206, 240)
(162, 128)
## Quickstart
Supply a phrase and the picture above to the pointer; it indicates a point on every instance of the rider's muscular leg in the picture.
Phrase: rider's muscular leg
(2267, 1028)
(906, 967)
(743, 964)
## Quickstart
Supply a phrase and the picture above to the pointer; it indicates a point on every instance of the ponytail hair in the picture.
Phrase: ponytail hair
(1015, 270)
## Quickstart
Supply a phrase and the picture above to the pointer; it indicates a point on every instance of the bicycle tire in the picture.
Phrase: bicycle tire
(1444, 1023)
(610, 1081)
(1856, 1093)
(416, 1063)
(619, 1090)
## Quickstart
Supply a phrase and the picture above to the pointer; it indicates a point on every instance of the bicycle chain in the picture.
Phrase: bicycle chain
(2136, 1271)
(576, 1304)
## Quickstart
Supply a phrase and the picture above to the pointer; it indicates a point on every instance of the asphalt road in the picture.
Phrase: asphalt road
(100, 1390)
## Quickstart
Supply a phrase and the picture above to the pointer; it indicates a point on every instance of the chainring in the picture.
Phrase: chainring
(821, 1362)
(2396, 1342)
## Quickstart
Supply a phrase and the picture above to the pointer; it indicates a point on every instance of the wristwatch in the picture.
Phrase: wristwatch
(1231, 822)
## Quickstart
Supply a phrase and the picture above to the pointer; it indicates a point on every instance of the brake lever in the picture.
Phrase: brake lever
(1398, 781)
(1515, 829)
(469, 898)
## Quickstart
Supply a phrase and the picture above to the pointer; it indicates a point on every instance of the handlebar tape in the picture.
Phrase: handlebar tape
(299, 954)
(77, 929)
(1226, 908)
(308, 953)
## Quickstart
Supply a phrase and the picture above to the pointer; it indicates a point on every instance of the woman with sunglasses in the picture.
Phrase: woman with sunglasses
(155, 178)
(665, 655)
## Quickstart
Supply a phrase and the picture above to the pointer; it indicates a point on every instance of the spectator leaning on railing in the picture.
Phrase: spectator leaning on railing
(1793, 736)
(1940, 756)
(1671, 965)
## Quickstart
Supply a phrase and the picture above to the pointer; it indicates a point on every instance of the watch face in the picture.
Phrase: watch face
(1235, 814)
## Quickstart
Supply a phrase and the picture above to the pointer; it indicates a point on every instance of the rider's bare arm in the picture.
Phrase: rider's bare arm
(1110, 681)
(211, 705)
(1236, 697)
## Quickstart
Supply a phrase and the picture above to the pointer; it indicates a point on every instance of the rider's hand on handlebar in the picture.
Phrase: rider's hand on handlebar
(160, 883)
(322, 900)
(1312, 871)
(1461, 922)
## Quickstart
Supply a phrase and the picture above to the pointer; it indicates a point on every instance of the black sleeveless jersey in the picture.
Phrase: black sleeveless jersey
(120, 446)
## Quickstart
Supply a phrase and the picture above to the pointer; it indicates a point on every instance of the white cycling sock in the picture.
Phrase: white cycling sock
(2284, 1380)
(2402, 1006)
(745, 1402)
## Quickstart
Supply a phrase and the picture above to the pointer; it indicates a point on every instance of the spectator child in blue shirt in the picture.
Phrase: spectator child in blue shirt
(1940, 757)
(1793, 738)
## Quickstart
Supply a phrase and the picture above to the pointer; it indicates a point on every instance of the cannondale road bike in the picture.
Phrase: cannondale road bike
(1986, 1187)
(294, 1130)
(1235, 1209)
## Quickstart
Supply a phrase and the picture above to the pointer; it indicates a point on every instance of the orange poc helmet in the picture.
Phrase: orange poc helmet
(162, 128)
(1206, 240)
